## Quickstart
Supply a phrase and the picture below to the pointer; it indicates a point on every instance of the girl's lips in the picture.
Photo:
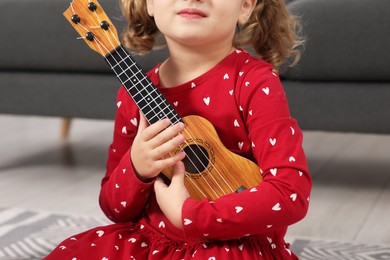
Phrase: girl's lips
(191, 13)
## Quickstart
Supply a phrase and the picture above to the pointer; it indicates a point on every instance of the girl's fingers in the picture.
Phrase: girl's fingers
(159, 185)
(143, 123)
(178, 173)
(160, 134)
(169, 161)
(168, 146)
(154, 129)
(169, 133)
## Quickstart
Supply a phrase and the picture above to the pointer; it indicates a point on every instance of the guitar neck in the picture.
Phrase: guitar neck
(145, 94)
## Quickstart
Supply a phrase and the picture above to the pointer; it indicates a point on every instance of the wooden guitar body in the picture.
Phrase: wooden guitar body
(211, 169)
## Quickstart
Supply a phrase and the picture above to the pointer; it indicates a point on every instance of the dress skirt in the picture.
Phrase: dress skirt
(134, 241)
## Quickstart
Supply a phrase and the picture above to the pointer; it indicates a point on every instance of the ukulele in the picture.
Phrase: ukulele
(211, 170)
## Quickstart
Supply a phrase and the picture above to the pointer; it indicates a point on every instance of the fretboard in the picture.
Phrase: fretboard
(148, 98)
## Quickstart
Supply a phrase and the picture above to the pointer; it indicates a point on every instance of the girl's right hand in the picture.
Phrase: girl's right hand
(152, 145)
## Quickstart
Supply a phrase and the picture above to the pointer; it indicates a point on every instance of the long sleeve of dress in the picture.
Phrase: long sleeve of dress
(123, 196)
(246, 104)
(281, 199)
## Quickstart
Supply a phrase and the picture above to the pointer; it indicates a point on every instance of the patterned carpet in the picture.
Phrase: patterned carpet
(311, 249)
(28, 235)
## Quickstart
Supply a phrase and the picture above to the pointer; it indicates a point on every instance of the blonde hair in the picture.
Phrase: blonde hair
(272, 31)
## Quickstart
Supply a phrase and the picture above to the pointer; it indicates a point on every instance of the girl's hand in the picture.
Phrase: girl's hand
(171, 198)
(152, 145)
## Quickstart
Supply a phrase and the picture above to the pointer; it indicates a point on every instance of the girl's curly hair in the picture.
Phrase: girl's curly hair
(272, 31)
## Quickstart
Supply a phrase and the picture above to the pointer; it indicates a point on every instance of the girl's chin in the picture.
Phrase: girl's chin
(195, 40)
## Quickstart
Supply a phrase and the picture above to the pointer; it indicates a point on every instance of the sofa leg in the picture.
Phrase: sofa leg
(65, 128)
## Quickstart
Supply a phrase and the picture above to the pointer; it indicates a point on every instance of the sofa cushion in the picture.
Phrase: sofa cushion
(346, 40)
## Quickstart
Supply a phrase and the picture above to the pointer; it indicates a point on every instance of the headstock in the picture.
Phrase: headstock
(93, 25)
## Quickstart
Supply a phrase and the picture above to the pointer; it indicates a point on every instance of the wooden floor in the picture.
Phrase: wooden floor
(351, 173)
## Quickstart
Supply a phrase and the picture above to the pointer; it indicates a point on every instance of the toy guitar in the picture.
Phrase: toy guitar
(211, 169)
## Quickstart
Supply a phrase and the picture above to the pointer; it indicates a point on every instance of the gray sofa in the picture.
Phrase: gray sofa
(342, 82)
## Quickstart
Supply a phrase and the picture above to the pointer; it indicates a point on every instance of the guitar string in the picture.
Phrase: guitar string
(112, 66)
(139, 92)
(123, 59)
(171, 124)
(211, 188)
(99, 45)
(211, 175)
(163, 102)
(171, 111)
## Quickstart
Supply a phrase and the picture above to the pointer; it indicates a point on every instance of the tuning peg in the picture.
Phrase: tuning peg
(92, 6)
(104, 25)
(90, 36)
(75, 18)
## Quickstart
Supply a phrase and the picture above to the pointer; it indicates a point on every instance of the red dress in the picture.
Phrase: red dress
(245, 102)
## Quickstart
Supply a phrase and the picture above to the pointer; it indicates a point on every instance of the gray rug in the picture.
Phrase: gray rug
(28, 235)
(315, 249)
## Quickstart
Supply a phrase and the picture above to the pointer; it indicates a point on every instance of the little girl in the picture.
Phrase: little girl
(209, 75)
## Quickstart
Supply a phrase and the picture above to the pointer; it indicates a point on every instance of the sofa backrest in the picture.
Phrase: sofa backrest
(345, 40)
(36, 36)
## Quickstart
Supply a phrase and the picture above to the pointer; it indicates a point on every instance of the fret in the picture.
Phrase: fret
(158, 109)
(152, 118)
(129, 74)
(124, 78)
(175, 119)
(132, 79)
(123, 65)
(172, 115)
(124, 71)
(148, 98)
(145, 94)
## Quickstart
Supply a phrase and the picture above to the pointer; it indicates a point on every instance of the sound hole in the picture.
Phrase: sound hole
(196, 159)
